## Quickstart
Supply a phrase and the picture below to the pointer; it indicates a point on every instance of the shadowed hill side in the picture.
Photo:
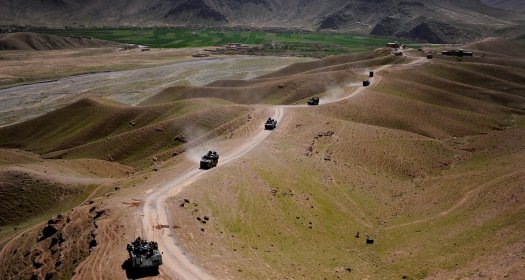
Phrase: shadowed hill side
(278, 91)
(95, 128)
(450, 98)
(40, 42)
(26, 194)
(322, 63)
(499, 46)
(434, 21)
(286, 86)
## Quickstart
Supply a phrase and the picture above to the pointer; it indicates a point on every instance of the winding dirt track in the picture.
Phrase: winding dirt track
(176, 264)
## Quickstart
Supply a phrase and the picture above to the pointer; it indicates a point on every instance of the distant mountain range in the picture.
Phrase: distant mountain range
(434, 21)
(510, 5)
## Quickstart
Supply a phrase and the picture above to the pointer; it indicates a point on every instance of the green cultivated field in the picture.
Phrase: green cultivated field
(183, 38)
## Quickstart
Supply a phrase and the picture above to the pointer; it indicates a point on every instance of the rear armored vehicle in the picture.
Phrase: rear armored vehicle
(144, 255)
(270, 124)
(313, 101)
(366, 83)
(209, 160)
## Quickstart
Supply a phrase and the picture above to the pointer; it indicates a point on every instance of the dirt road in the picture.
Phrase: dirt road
(176, 263)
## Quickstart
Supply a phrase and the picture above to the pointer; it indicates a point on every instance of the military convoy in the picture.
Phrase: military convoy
(209, 160)
(144, 255)
(270, 124)
(313, 101)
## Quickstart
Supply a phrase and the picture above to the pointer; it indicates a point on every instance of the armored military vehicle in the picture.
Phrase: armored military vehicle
(366, 83)
(371, 74)
(270, 124)
(144, 255)
(430, 56)
(209, 160)
(313, 101)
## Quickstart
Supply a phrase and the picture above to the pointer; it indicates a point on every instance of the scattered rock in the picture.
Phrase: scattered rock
(99, 214)
(37, 262)
(48, 231)
(92, 243)
(61, 239)
(49, 275)
(54, 241)
(181, 139)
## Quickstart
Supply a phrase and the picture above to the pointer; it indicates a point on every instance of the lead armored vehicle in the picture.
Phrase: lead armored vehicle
(313, 101)
(366, 83)
(144, 255)
(270, 124)
(209, 160)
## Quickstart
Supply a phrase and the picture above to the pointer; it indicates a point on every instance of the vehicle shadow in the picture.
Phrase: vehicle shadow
(137, 273)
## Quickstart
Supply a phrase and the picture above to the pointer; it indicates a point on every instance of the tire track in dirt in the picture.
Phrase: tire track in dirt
(461, 202)
(176, 263)
(363, 220)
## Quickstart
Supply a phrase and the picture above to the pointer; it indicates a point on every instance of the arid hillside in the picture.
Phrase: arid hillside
(434, 21)
(40, 42)
(418, 176)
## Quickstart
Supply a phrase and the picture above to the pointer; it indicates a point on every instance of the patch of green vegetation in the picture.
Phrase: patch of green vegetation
(185, 38)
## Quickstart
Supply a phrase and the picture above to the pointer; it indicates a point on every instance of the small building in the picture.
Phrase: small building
(459, 53)
(394, 45)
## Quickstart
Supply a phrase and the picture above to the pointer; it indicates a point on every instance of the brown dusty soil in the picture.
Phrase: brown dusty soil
(427, 162)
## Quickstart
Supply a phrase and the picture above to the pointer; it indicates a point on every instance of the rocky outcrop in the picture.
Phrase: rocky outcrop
(57, 247)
